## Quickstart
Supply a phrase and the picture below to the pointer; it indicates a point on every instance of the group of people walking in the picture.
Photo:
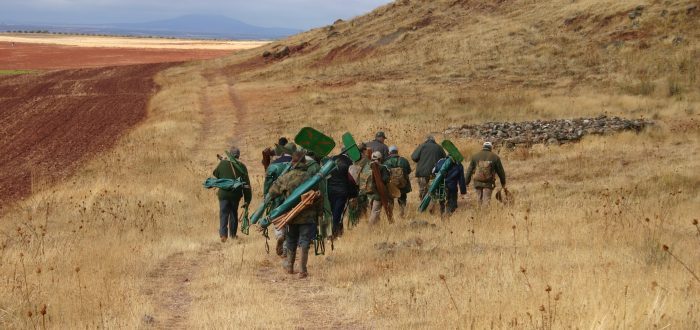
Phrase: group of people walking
(353, 188)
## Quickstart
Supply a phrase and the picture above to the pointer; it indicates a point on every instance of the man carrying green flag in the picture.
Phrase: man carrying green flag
(232, 168)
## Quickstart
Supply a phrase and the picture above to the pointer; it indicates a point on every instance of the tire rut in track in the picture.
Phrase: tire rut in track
(169, 281)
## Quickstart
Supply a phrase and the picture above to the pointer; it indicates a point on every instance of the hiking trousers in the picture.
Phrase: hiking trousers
(451, 201)
(299, 235)
(423, 186)
(376, 212)
(483, 196)
(228, 217)
(338, 203)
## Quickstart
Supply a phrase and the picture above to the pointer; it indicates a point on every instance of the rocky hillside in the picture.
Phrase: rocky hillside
(531, 44)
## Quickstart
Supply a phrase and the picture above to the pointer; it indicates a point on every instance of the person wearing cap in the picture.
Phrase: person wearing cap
(231, 168)
(396, 161)
(426, 156)
(373, 195)
(286, 152)
(378, 144)
(483, 168)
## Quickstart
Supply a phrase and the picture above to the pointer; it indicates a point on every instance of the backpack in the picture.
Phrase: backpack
(397, 178)
(365, 180)
(484, 171)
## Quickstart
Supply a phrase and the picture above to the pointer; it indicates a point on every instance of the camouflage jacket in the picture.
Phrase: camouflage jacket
(290, 181)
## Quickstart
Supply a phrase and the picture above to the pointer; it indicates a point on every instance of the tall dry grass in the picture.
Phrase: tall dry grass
(581, 247)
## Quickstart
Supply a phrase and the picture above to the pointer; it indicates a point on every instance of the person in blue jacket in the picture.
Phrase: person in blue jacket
(454, 178)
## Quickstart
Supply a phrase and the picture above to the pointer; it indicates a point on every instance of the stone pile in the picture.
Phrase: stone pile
(546, 132)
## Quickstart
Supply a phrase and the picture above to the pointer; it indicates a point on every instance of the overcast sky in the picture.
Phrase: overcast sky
(301, 14)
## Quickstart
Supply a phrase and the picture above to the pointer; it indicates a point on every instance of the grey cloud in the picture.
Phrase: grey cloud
(280, 13)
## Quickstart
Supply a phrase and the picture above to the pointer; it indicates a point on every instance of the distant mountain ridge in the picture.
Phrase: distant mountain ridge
(189, 26)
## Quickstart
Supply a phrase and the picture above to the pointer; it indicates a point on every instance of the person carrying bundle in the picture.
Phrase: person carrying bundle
(300, 228)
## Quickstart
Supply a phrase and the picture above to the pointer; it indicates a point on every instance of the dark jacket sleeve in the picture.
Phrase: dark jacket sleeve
(247, 189)
(501, 172)
(462, 182)
(406, 167)
(438, 166)
(415, 156)
(470, 171)
(386, 175)
(216, 171)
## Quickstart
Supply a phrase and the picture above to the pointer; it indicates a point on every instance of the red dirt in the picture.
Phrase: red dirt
(50, 122)
(46, 57)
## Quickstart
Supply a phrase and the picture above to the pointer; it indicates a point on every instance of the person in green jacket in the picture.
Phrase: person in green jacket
(426, 156)
(396, 161)
(301, 229)
(232, 168)
(483, 168)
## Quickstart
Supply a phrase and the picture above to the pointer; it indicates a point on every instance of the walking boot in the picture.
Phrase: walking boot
(304, 260)
(289, 264)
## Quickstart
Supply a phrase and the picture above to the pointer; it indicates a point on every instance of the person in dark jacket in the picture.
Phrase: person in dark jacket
(378, 144)
(483, 168)
(426, 156)
(232, 168)
(339, 190)
(396, 161)
(453, 178)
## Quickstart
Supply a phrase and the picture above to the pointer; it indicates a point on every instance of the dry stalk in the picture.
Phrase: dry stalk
(454, 303)
(665, 247)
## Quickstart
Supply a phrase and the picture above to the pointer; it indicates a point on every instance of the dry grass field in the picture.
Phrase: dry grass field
(130, 240)
(126, 42)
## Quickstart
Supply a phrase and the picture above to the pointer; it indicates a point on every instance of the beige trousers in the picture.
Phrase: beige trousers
(483, 196)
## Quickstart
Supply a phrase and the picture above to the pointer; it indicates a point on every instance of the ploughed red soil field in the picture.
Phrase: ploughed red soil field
(46, 57)
(51, 121)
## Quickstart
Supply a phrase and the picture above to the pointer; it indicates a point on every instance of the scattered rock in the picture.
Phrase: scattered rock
(637, 12)
(414, 242)
(547, 132)
(284, 52)
(266, 54)
(691, 9)
(338, 21)
(420, 224)
(148, 319)
(678, 40)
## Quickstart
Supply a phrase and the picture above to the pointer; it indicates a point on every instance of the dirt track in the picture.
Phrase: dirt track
(47, 57)
(49, 122)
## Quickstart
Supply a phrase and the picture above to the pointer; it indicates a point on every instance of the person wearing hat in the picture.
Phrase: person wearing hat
(373, 195)
(426, 156)
(378, 144)
(483, 168)
(396, 161)
(231, 168)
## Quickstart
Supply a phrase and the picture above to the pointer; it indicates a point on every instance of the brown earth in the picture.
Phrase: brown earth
(51, 121)
(25, 56)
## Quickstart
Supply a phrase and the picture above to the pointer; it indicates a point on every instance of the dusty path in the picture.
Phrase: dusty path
(168, 287)
(223, 109)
